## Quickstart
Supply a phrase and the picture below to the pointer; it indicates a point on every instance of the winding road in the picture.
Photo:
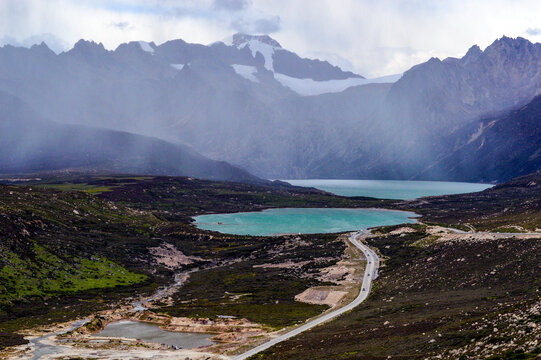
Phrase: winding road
(370, 273)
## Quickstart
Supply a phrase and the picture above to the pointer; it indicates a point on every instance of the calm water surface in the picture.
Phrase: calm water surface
(296, 220)
(152, 333)
(391, 189)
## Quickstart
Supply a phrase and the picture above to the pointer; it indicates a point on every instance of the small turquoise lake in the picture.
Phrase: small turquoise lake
(390, 189)
(297, 220)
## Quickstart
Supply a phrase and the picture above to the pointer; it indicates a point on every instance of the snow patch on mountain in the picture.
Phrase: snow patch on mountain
(480, 131)
(178, 66)
(266, 50)
(146, 47)
(246, 71)
(309, 87)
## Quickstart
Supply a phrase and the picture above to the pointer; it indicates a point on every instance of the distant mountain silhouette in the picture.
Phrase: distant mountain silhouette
(31, 144)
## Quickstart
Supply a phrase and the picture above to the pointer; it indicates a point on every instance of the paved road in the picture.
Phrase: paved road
(497, 234)
(370, 273)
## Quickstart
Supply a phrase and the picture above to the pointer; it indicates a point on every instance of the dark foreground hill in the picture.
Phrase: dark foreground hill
(71, 246)
(514, 206)
(29, 143)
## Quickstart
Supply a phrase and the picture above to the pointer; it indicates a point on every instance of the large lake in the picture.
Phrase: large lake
(391, 189)
(297, 220)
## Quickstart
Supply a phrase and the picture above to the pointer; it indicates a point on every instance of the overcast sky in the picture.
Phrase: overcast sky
(371, 37)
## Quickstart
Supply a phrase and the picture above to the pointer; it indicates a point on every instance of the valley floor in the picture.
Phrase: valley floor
(435, 299)
(442, 293)
(231, 335)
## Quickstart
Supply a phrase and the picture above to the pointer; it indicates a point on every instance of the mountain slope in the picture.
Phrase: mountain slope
(31, 144)
(496, 149)
(444, 94)
(407, 134)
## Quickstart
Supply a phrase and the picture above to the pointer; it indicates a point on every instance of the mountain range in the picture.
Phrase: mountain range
(252, 103)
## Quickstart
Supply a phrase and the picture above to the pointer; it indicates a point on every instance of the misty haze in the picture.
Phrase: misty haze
(244, 179)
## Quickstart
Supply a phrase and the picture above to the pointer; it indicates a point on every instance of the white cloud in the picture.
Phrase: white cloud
(231, 5)
(376, 37)
(257, 26)
(533, 31)
(389, 36)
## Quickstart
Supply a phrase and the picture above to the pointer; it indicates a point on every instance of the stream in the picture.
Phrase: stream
(130, 329)
(42, 348)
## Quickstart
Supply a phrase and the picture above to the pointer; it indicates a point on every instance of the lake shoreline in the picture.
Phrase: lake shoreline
(279, 221)
(389, 189)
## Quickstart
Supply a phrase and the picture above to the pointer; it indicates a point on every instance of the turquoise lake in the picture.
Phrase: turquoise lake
(297, 220)
(391, 189)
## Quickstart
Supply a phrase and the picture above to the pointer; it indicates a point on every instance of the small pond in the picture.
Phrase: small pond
(152, 333)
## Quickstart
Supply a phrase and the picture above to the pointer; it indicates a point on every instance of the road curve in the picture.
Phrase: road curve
(370, 273)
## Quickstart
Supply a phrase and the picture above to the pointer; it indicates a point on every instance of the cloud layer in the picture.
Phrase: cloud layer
(372, 37)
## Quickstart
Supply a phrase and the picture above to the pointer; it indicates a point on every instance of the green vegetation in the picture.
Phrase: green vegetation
(91, 189)
(46, 274)
(64, 254)
(75, 245)
(259, 287)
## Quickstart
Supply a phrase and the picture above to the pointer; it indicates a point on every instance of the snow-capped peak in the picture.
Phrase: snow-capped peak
(267, 51)
(146, 46)
(240, 39)
(263, 44)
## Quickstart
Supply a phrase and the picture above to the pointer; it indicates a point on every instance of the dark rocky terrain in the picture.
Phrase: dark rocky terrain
(476, 299)
(516, 203)
(77, 244)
